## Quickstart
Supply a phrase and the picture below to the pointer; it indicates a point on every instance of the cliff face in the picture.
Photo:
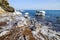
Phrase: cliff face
(5, 7)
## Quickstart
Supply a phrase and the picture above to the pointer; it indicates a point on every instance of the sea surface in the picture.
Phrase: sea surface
(51, 18)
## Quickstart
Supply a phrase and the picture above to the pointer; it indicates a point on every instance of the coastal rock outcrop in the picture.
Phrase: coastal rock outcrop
(19, 27)
(27, 29)
(5, 7)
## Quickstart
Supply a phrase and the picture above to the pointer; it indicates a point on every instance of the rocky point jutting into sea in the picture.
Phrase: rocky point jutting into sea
(15, 26)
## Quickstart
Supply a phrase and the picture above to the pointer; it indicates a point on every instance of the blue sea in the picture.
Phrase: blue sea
(52, 17)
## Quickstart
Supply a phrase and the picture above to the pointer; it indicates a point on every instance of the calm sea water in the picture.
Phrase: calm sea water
(52, 17)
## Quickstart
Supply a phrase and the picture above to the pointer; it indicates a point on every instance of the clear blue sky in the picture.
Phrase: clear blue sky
(35, 4)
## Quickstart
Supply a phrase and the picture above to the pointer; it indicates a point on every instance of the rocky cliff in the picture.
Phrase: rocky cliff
(5, 7)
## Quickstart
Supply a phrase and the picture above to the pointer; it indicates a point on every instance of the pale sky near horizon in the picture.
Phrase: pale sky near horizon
(35, 4)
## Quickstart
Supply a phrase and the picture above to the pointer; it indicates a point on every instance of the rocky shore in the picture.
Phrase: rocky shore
(15, 26)
(18, 27)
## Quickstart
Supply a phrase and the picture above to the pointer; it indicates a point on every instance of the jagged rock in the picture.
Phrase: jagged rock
(18, 32)
(28, 33)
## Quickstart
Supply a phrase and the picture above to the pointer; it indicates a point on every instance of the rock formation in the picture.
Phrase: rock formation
(5, 7)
